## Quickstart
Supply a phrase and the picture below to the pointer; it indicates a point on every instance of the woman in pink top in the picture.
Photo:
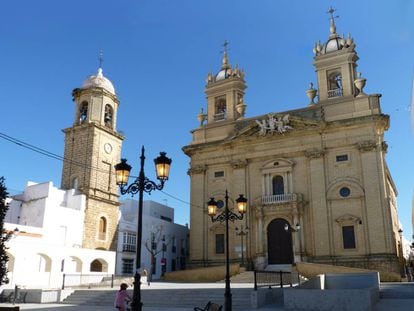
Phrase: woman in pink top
(122, 297)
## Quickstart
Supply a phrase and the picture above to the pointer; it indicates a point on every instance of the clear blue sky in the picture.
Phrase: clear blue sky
(158, 53)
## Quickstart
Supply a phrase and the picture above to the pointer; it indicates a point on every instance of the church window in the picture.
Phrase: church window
(334, 84)
(344, 192)
(342, 158)
(220, 243)
(83, 112)
(108, 118)
(348, 236)
(75, 183)
(220, 108)
(278, 185)
(219, 174)
(220, 204)
(102, 228)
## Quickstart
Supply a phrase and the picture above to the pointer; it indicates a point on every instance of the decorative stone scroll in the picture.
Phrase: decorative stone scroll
(314, 153)
(239, 164)
(366, 146)
(198, 169)
(274, 125)
(348, 218)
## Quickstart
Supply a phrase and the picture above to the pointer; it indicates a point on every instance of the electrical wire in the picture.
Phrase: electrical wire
(77, 163)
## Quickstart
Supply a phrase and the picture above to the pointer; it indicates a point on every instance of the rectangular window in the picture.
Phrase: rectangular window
(129, 242)
(348, 235)
(127, 266)
(341, 158)
(173, 245)
(219, 243)
(218, 174)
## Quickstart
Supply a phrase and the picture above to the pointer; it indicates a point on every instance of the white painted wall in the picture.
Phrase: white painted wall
(48, 243)
(154, 217)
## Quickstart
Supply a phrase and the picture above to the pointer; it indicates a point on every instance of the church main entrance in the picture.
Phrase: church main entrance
(279, 243)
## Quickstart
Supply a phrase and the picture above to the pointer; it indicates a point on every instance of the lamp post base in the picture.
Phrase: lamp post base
(136, 304)
(227, 301)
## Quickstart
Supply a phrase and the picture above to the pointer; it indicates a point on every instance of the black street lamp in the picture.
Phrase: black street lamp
(242, 233)
(401, 250)
(227, 215)
(141, 184)
(296, 230)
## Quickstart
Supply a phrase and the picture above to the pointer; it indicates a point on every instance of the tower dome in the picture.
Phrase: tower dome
(99, 80)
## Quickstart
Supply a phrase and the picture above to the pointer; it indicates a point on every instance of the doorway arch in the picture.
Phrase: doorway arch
(279, 243)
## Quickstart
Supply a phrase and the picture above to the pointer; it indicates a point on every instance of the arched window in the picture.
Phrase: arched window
(335, 84)
(278, 185)
(102, 228)
(75, 183)
(220, 108)
(108, 117)
(83, 112)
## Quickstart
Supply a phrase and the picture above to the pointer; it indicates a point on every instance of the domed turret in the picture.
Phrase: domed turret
(335, 42)
(99, 80)
(335, 62)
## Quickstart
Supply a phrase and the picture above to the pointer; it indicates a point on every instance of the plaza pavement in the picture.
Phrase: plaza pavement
(393, 304)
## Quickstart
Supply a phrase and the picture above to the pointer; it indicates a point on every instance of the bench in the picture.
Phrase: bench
(210, 306)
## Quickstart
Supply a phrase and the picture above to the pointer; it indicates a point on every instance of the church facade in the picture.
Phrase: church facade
(318, 186)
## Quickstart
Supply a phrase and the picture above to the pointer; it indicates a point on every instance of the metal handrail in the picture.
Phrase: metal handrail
(272, 279)
(90, 280)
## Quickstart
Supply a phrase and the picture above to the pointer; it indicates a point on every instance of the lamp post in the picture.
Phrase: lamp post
(242, 233)
(400, 232)
(140, 185)
(225, 216)
(296, 230)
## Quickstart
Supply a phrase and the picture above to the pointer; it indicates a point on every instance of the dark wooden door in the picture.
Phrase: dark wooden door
(279, 243)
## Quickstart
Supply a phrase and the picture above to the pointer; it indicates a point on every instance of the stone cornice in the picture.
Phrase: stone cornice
(366, 146)
(94, 124)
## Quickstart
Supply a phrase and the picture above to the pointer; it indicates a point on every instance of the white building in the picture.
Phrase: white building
(159, 233)
(48, 226)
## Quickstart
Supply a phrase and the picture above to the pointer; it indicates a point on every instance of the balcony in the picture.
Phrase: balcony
(129, 248)
(220, 116)
(279, 198)
(335, 93)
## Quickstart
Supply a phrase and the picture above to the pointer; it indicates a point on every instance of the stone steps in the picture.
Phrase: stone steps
(166, 297)
(397, 290)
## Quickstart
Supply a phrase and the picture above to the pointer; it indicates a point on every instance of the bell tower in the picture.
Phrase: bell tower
(225, 92)
(335, 65)
(92, 148)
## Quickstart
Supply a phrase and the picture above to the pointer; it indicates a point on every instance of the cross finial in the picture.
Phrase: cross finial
(225, 44)
(332, 28)
(225, 61)
(331, 11)
(100, 58)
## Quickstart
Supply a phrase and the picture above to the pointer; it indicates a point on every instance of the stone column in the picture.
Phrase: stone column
(317, 203)
(378, 216)
(198, 216)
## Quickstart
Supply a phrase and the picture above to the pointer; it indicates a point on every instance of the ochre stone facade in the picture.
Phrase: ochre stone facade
(316, 178)
(92, 148)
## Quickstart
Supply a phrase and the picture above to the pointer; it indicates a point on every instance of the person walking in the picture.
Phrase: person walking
(122, 298)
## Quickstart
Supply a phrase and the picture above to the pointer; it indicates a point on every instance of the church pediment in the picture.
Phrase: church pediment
(273, 124)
